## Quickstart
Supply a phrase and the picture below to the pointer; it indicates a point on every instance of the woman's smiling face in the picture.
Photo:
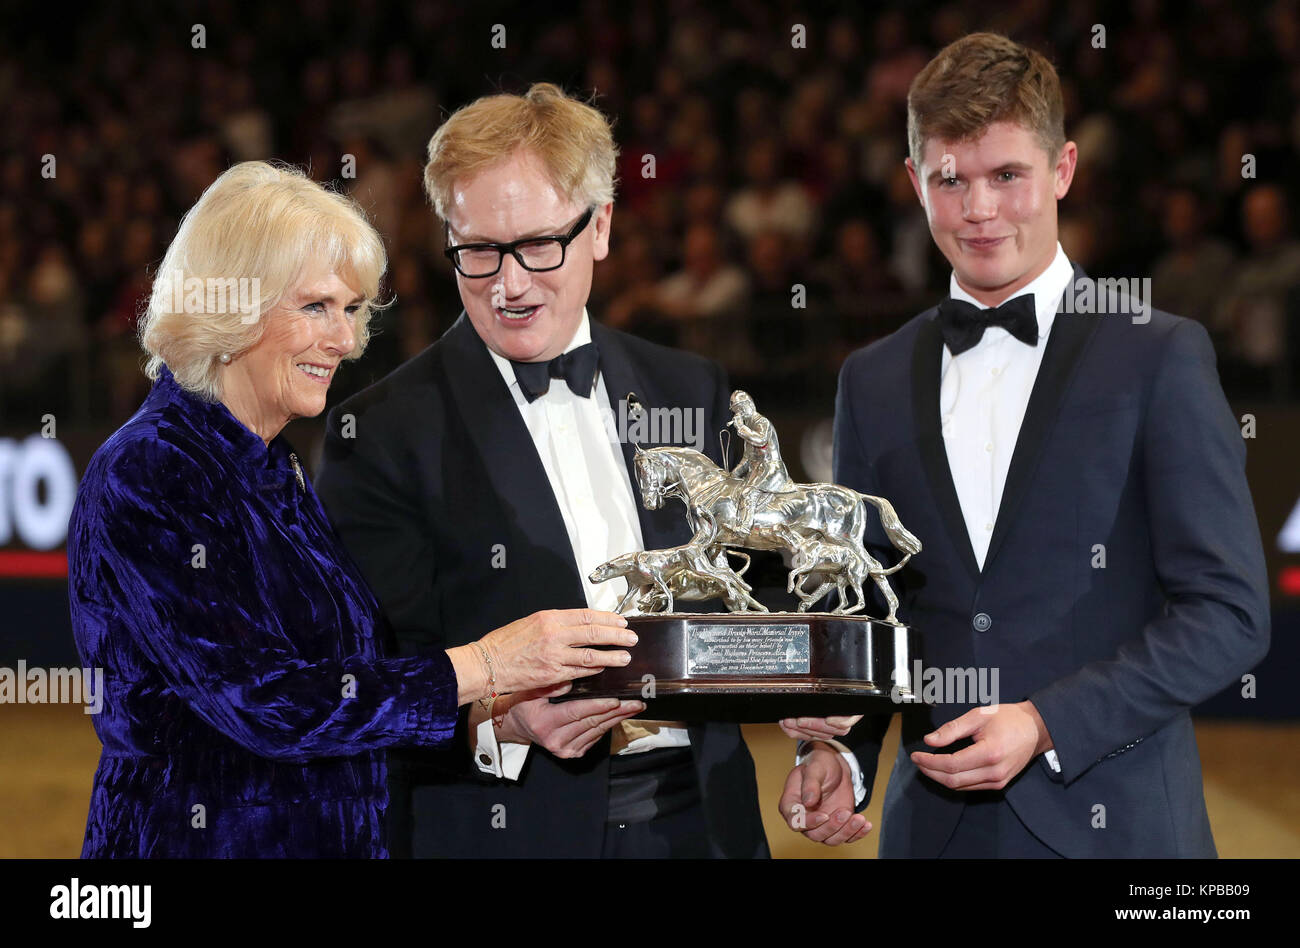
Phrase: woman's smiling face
(287, 374)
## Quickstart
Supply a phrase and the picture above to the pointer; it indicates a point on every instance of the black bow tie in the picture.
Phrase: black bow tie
(577, 368)
(963, 323)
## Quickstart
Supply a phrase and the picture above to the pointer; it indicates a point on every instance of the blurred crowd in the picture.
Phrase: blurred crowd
(764, 216)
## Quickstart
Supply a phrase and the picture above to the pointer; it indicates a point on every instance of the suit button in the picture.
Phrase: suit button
(982, 622)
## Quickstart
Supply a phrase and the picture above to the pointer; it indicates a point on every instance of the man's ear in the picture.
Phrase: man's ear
(601, 222)
(1064, 170)
(915, 177)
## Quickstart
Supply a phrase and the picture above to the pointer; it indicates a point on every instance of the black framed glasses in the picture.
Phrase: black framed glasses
(537, 254)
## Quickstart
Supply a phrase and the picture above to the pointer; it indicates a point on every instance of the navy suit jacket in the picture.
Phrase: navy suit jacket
(439, 481)
(1127, 444)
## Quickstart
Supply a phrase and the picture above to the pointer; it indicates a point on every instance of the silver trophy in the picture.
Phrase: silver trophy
(753, 664)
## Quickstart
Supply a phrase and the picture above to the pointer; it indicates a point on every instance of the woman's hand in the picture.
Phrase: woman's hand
(540, 650)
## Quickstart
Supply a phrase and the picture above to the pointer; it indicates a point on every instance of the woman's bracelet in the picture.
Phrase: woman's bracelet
(486, 703)
(497, 718)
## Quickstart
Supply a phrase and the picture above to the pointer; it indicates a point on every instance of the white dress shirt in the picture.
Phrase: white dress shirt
(983, 394)
(576, 440)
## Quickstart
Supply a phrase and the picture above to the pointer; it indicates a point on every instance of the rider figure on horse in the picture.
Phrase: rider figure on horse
(761, 465)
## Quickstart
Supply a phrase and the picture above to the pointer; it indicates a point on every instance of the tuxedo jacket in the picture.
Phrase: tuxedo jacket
(438, 492)
(1124, 581)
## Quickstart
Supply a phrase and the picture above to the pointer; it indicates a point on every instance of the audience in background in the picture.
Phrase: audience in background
(750, 165)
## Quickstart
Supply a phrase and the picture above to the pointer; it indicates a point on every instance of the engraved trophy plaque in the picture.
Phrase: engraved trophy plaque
(749, 664)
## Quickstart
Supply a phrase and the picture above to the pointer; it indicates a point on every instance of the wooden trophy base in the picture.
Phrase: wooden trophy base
(760, 667)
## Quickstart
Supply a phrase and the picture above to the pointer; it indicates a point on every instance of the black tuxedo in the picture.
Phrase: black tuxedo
(440, 483)
(1127, 443)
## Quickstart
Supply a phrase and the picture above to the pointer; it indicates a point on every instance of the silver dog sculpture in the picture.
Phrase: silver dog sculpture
(655, 584)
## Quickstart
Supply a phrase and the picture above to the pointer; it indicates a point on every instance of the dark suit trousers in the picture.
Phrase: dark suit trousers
(655, 810)
(682, 835)
(990, 829)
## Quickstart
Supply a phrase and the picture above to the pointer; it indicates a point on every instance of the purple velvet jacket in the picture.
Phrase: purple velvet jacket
(247, 706)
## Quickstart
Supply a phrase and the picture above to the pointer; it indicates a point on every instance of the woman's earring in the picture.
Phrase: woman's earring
(224, 358)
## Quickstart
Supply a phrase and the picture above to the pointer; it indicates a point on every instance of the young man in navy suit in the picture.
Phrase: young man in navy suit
(1078, 481)
(489, 475)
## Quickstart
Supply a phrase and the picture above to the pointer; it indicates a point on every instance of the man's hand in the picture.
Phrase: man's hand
(818, 799)
(755, 436)
(1007, 737)
(818, 729)
(566, 729)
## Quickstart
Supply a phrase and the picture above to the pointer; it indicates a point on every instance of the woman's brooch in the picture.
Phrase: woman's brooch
(297, 470)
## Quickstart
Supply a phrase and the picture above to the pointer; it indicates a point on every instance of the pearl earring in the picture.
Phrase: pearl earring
(224, 358)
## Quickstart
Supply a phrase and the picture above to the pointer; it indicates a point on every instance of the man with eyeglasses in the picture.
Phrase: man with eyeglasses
(484, 480)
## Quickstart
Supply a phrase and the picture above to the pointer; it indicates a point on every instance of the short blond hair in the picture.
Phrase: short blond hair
(981, 79)
(572, 139)
(257, 221)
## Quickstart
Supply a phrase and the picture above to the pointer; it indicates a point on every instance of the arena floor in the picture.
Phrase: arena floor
(1252, 785)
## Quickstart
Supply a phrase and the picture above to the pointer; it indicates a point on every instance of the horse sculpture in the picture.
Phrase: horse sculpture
(822, 524)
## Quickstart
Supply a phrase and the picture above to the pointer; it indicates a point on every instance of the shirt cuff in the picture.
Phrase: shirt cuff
(1050, 757)
(500, 760)
(855, 770)
(662, 737)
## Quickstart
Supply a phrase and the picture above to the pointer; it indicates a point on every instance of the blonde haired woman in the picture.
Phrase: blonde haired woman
(247, 703)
